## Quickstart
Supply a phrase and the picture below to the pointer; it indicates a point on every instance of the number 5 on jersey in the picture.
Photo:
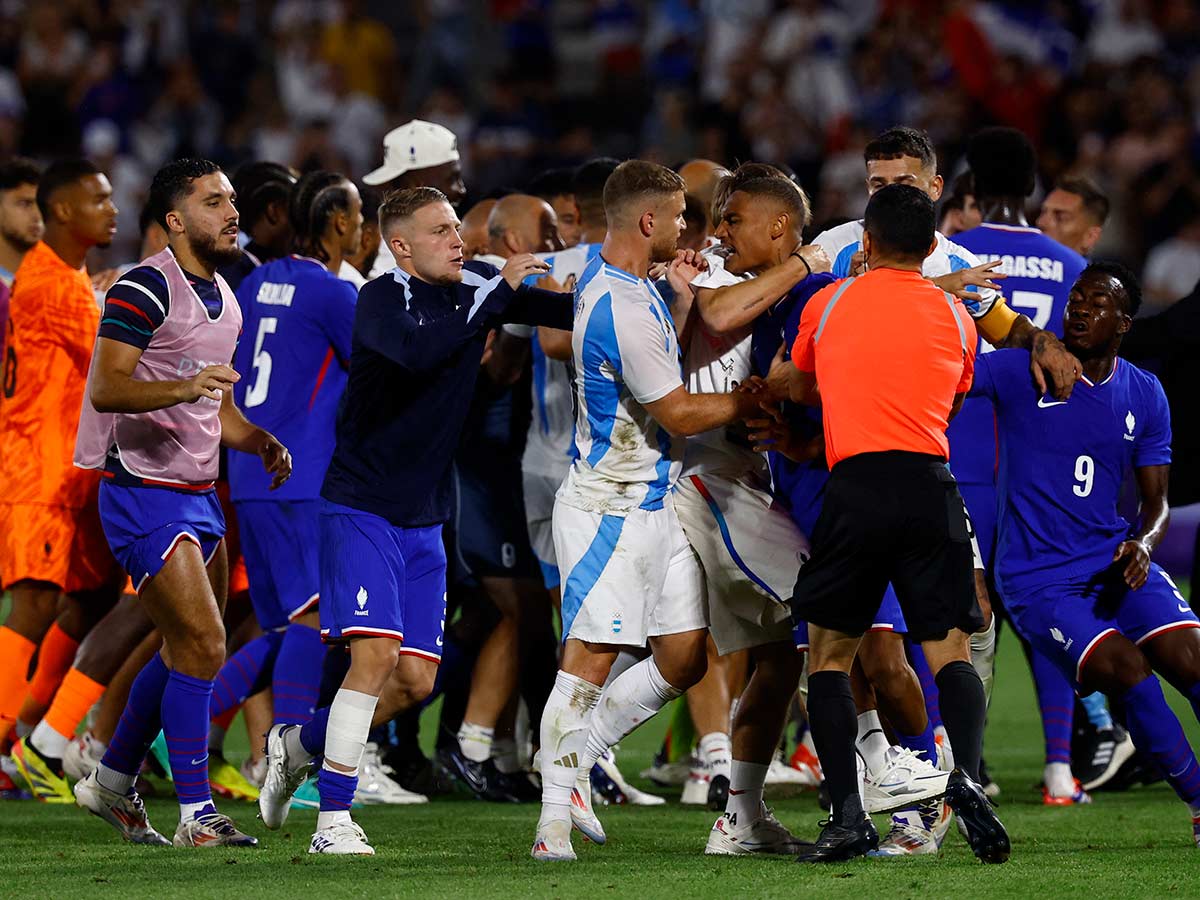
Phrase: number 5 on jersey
(257, 395)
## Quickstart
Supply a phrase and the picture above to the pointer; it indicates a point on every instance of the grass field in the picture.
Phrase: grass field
(1135, 844)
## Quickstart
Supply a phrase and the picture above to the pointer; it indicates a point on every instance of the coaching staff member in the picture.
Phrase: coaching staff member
(892, 510)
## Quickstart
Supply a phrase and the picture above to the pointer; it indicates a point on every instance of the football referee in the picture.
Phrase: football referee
(892, 510)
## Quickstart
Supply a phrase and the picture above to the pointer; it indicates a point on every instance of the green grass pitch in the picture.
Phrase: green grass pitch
(1135, 844)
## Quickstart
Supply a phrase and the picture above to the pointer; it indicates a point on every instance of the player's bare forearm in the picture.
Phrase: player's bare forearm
(1155, 511)
(736, 306)
(684, 414)
(1053, 367)
(114, 390)
(556, 343)
(238, 432)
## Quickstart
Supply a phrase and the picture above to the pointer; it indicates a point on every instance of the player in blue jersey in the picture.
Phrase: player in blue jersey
(297, 322)
(418, 339)
(1039, 273)
(1076, 577)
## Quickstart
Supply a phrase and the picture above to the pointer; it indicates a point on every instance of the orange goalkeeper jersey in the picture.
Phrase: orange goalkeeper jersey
(52, 323)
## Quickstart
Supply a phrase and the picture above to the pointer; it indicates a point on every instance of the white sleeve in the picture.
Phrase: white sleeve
(649, 353)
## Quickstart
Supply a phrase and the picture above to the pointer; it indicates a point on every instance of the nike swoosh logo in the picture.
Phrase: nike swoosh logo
(1184, 608)
(1042, 404)
(196, 762)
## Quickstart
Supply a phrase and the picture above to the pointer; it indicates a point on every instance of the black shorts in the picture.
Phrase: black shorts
(890, 517)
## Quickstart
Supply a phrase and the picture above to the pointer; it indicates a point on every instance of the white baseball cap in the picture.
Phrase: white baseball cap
(414, 145)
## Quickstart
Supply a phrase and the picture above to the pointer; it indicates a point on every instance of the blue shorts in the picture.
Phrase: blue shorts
(1068, 620)
(491, 538)
(144, 525)
(889, 618)
(380, 580)
(281, 547)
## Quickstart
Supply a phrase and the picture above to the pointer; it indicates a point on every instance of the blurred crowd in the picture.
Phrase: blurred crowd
(1106, 88)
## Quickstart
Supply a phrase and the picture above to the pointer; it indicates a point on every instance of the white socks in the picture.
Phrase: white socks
(746, 782)
(1059, 779)
(475, 741)
(628, 701)
(872, 743)
(505, 756)
(983, 656)
(295, 749)
(564, 739)
(715, 753)
(114, 780)
(48, 741)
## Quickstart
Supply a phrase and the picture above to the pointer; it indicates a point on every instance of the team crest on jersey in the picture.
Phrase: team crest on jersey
(361, 599)
(1130, 422)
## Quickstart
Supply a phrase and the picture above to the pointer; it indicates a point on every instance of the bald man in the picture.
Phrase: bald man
(493, 546)
(700, 178)
(474, 229)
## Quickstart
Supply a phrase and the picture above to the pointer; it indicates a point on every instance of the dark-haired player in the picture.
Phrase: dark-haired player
(1040, 272)
(158, 409)
(1075, 576)
(51, 542)
(263, 191)
(1074, 213)
(557, 187)
(419, 335)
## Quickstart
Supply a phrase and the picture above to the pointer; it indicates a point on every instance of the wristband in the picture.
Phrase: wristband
(807, 267)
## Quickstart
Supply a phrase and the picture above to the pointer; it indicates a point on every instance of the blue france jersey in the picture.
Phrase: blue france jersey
(293, 357)
(1062, 464)
(1040, 270)
(626, 355)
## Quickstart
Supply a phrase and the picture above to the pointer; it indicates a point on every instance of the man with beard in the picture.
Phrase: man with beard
(20, 227)
(50, 537)
(158, 409)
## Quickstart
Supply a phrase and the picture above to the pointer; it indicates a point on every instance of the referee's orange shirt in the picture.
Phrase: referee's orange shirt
(889, 350)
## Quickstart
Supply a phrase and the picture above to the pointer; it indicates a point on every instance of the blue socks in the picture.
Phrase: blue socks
(336, 789)
(916, 657)
(1056, 697)
(312, 733)
(141, 720)
(244, 671)
(297, 678)
(923, 743)
(1156, 731)
(185, 714)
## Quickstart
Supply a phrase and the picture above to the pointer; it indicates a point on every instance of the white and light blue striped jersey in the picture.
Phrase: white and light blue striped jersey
(626, 354)
(842, 241)
(549, 446)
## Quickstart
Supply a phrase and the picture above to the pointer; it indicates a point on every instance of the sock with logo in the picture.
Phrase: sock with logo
(746, 781)
(628, 701)
(564, 741)
(16, 651)
(475, 741)
(1056, 698)
(297, 677)
(872, 744)
(139, 725)
(964, 710)
(833, 722)
(55, 656)
(244, 671)
(1156, 731)
(715, 753)
(1096, 707)
(916, 657)
(185, 715)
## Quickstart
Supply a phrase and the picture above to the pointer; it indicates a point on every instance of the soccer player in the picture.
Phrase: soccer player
(629, 574)
(749, 547)
(155, 436)
(418, 339)
(51, 542)
(491, 540)
(1074, 213)
(556, 187)
(891, 512)
(1040, 272)
(21, 227)
(298, 315)
(1076, 577)
(417, 154)
(960, 211)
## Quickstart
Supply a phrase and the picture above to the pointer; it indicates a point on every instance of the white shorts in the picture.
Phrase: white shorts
(751, 552)
(626, 578)
(539, 490)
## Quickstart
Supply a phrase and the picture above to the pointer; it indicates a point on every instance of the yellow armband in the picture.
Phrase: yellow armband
(997, 322)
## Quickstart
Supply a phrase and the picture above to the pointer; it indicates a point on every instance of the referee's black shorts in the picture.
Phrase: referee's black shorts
(890, 517)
